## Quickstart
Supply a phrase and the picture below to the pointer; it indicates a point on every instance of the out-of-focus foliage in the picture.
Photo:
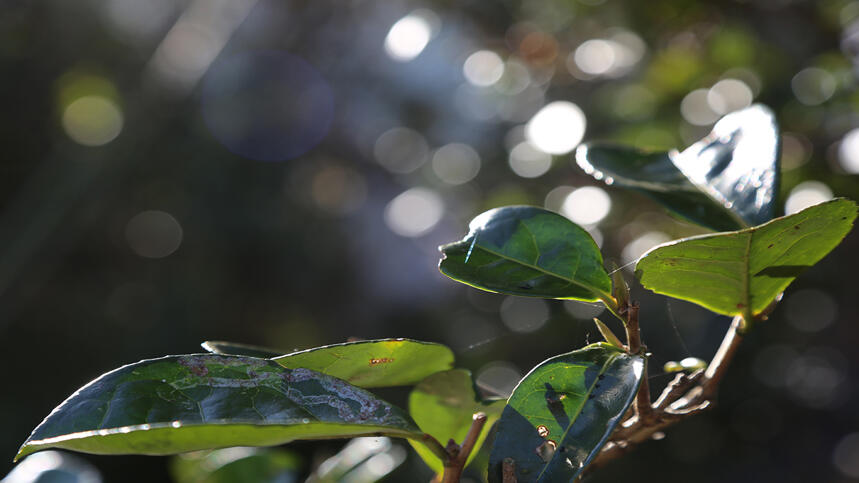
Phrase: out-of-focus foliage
(126, 217)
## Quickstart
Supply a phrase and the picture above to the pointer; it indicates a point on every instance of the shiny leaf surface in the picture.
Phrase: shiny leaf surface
(742, 272)
(374, 363)
(185, 403)
(443, 405)
(737, 164)
(654, 175)
(524, 250)
(562, 412)
(238, 349)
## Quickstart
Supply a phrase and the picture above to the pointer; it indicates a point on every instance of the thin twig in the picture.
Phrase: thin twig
(683, 397)
(458, 454)
(643, 408)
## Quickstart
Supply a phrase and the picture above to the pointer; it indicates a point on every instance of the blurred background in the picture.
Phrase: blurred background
(281, 173)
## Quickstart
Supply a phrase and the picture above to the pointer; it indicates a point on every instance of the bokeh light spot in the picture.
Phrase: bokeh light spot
(410, 35)
(414, 212)
(696, 110)
(524, 314)
(528, 162)
(498, 377)
(153, 234)
(456, 163)
(267, 105)
(92, 120)
(338, 190)
(483, 68)
(401, 150)
(557, 128)
(587, 205)
(848, 152)
(805, 194)
(810, 310)
(638, 247)
(813, 86)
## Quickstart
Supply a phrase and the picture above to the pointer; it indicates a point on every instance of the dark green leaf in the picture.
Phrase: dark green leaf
(374, 363)
(563, 411)
(236, 465)
(185, 403)
(654, 175)
(237, 349)
(524, 250)
(443, 405)
(742, 272)
(737, 164)
(726, 181)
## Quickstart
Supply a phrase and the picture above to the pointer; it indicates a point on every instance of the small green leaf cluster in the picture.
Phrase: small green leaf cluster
(562, 413)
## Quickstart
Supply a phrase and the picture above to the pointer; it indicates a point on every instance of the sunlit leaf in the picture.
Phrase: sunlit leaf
(742, 272)
(524, 250)
(443, 405)
(193, 402)
(737, 164)
(374, 363)
(563, 411)
(654, 175)
(237, 349)
(726, 181)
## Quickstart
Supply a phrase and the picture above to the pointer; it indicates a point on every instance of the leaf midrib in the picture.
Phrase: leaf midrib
(537, 268)
(590, 390)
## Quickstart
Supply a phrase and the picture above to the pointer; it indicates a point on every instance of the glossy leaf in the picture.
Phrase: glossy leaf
(563, 411)
(726, 181)
(524, 250)
(742, 272)
(374, 363)
(737, 164)
(185, 403)
(236, 465)
(443, 405)
(654, 175)
(237, 349)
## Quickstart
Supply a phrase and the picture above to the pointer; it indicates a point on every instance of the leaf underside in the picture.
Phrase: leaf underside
(443, 404)
(525, 250)
(184, 403)
(374, 363)
(654, 175)
(562, 413)
(726, 181)
(742, 272)
(737, 164)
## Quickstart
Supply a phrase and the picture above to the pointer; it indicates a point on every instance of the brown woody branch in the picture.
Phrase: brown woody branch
(458, 454)
(685, 396)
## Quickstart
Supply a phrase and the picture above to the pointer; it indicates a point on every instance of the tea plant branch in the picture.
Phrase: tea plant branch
(685, 396)
(643, 409)
(457, 455)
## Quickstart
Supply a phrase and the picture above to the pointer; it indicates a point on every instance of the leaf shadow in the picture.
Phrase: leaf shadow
(782, 271)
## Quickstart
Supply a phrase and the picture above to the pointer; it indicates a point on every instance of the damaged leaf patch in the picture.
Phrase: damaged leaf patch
(184, 403)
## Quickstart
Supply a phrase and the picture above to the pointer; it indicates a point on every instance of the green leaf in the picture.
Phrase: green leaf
(654, 175)
(737, 164)
(524, 250)
(235, 465)
(563, 411)
(374, 363)
(742, 272)
(443, 405)
(237, 349)
(726, 181)
(192, 402)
